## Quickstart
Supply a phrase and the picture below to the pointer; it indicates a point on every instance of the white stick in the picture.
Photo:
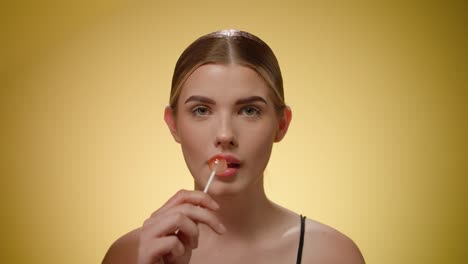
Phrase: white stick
(213, 173)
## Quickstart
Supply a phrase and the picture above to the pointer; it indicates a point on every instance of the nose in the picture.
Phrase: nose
(225, 135)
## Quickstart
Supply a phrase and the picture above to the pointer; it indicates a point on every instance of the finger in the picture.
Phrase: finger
(165, 225)
(195, 213)
(201, 215)
(194, 197)
(159, 248)
(188, 234)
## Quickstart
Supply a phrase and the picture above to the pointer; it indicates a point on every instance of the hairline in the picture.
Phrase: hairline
(279, 106)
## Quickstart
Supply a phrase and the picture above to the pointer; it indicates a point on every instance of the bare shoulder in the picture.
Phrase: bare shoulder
(324, 244)
(124, 249)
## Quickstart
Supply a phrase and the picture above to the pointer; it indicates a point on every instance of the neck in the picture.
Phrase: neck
(244, 213)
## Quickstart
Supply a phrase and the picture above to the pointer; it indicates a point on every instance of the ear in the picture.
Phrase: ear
(169, 117)
(283, 124)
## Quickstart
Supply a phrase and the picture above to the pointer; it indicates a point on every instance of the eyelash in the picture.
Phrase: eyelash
(249, 107)
(257, 111)
(197, 108)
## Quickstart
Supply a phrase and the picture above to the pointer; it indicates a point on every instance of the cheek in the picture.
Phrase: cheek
(194, 141)
(258, 142)
(192, 133)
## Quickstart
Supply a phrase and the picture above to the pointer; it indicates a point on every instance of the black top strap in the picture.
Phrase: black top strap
(301, 240)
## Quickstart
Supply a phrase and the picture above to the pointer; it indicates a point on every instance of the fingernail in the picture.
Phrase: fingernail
(216, 205)
(222, 228)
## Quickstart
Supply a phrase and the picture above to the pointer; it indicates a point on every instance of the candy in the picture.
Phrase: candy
(216, 165)
(220, 167)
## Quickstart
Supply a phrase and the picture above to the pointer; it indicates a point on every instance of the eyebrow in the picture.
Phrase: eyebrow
(201, 99)
(206, 100)
(251, 99)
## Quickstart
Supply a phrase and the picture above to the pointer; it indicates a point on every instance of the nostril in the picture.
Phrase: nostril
(225, 142)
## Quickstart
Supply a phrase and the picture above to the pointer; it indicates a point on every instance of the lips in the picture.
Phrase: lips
(233, 164)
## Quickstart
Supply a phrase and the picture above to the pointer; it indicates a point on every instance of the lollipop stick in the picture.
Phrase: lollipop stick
(213, 173)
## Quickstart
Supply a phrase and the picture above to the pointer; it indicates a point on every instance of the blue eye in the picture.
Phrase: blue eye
(200, 111)
(250, 111)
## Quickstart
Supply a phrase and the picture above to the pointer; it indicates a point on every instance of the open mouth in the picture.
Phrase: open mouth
(233, 165)
(227, 162)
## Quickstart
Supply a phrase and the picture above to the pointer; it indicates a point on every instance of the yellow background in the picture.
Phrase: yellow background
(377, 146)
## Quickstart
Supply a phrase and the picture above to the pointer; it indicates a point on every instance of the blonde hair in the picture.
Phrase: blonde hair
(229, 47)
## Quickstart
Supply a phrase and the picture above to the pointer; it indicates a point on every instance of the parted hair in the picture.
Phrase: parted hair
(229, 47)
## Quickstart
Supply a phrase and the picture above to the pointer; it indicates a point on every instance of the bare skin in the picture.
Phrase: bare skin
(235, 222)
(276, 242)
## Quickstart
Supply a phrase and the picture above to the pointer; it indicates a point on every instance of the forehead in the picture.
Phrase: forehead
(224, 82)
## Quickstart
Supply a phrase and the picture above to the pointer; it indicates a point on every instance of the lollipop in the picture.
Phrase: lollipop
(216, 165)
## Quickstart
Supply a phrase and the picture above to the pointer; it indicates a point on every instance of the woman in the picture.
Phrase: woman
(227, 103)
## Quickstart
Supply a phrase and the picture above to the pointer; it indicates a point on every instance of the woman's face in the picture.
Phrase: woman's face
(227, 110)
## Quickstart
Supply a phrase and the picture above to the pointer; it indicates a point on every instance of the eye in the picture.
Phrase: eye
(200, 111)
(250, 111)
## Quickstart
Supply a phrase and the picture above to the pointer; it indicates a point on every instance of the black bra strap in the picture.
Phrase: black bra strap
(301, 240)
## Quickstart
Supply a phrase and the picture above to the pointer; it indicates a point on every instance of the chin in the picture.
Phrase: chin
(223, 189)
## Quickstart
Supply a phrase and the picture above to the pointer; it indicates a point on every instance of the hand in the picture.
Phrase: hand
(171, 233)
